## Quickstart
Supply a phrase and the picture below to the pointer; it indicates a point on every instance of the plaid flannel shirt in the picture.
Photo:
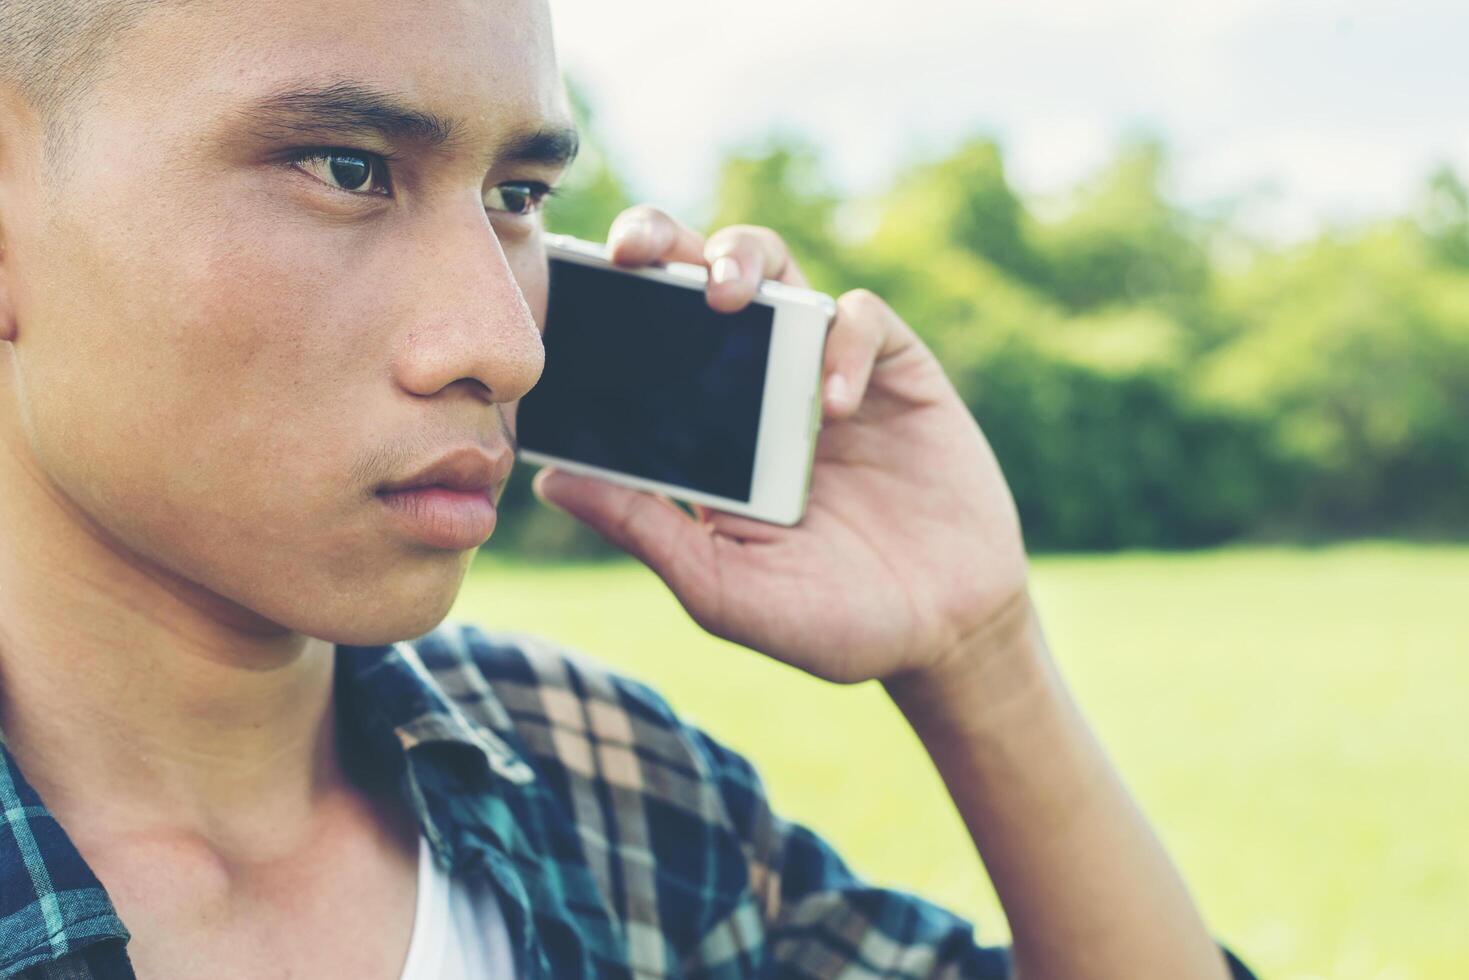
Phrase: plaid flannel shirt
(622, 841)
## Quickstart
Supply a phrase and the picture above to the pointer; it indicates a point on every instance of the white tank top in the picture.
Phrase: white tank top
(458, 930)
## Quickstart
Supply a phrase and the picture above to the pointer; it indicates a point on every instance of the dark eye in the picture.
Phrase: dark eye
(522, 197)
(348, 170)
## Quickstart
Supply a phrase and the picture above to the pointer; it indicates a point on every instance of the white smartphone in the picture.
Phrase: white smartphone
(647, 386)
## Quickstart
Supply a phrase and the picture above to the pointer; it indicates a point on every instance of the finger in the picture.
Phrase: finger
(648, 527)
(738, 257)
(643, 234)
(864, 332)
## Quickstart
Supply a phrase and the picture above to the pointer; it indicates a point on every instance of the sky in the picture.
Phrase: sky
(1296, 114)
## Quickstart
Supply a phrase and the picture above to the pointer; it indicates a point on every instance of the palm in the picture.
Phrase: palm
(908, 532)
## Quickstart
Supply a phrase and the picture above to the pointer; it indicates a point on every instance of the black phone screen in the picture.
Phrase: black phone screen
(642, 377)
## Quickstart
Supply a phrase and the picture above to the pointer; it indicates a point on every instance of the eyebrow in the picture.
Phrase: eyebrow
(555, 145)
(348, 107)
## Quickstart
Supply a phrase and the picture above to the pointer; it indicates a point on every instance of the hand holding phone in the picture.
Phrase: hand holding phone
(910, 539)
(647, 386)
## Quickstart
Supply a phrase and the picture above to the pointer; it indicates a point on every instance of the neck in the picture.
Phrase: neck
(137, 701)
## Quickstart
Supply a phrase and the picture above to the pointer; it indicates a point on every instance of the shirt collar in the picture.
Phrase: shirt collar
(389, 689)
(405, 727)
(51, 904)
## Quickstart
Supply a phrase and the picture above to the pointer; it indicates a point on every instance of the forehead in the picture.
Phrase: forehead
(488, 63)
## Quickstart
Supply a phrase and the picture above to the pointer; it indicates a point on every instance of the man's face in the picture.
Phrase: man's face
(224, 350)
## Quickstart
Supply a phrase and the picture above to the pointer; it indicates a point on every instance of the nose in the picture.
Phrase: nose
(470, 316)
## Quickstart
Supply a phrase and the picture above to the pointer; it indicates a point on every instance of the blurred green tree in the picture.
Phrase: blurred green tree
(963, 201)
(1444, 217)
(1356, 350)
(1121, 242)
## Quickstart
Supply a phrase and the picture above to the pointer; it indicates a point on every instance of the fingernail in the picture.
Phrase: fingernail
(836, 390)
(726, 269)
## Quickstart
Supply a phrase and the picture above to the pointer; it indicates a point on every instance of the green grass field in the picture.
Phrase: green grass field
(1295, 723)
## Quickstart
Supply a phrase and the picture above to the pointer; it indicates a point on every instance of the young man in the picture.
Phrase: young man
(263, 263)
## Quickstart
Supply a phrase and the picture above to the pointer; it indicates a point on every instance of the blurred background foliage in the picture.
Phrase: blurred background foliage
(1148, 377)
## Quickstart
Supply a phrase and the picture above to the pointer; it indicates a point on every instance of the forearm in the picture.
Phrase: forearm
(1087, 888)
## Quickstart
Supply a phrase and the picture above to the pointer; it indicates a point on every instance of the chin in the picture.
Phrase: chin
(385, 618)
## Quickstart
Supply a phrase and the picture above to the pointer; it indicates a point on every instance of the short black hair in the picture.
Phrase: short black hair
(53, 51)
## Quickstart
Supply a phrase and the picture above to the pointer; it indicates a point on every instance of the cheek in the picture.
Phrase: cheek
(209, 383)
(527, 261)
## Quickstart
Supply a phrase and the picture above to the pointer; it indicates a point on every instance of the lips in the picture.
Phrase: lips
(449, 504)
(452, 520)
(469, 469)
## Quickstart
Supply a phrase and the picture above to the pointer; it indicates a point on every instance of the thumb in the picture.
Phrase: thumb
(650, 528)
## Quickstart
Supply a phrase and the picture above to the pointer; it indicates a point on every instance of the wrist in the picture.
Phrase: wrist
(988, 675)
